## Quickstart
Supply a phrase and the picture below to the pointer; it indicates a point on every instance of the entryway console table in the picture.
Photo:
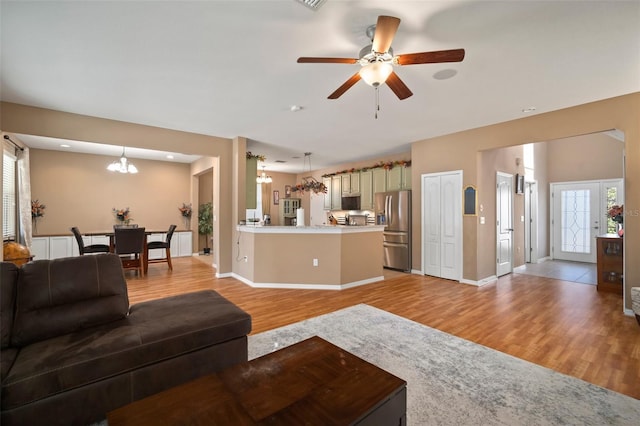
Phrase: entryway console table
(610, 249)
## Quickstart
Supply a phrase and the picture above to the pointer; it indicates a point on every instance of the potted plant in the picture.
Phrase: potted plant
(205, 223)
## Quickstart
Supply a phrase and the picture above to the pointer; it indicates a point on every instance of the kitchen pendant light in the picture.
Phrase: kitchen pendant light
(263, 178)
(123, 165)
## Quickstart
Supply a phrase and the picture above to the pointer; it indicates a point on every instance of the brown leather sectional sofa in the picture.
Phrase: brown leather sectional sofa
(73, 349)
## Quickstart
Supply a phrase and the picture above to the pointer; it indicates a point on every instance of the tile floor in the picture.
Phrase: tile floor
(578, 272)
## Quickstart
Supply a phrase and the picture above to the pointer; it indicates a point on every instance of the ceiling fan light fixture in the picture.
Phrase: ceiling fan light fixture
(376, 73)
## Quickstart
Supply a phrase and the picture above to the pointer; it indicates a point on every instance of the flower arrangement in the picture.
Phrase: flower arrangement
(310, 185)
(616, 213)
(123, 215)
(37, 209)
(186, 210)
(259, 157)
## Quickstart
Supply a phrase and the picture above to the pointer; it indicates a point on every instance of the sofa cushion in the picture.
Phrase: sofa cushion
(8, 279)
(154, 331)
(56, 297)
(7, 357)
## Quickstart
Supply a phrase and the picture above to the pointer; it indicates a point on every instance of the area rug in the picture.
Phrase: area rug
(452, 381)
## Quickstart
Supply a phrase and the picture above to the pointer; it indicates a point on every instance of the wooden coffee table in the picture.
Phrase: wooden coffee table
(312, 382)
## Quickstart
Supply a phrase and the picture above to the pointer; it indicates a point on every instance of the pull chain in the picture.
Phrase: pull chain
(377, 108)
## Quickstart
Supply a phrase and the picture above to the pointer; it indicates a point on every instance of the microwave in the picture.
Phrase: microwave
(351, 203)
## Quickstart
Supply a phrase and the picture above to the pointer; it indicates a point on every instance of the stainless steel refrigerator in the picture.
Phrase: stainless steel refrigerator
(393, 209)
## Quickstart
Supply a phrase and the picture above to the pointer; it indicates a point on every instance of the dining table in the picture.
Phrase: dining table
(112, 243)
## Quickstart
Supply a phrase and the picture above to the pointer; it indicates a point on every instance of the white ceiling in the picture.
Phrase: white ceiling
(228, 68)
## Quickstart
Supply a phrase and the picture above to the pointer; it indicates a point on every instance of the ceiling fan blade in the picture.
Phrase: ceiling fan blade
(307, 60)
(386, 28)
(398, 87)
(346, 86)
(454, 55)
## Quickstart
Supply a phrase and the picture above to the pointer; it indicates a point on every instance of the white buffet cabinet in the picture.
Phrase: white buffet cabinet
(57, 246)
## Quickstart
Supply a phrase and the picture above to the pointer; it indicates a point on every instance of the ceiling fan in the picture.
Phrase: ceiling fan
(377, 60)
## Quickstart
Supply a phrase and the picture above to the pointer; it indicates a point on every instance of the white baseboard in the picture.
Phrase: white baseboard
(629, 312)
(544, 259)
(417, 272)
(300, 286)
(480, 283)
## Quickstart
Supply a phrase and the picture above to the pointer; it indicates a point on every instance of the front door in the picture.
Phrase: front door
(575, 220)
(504, 223)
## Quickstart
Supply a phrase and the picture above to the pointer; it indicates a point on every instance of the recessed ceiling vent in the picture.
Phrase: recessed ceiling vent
(280, 161)
(312, 4)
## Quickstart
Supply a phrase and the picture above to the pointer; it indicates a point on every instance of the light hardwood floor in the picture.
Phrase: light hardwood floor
(568, 327)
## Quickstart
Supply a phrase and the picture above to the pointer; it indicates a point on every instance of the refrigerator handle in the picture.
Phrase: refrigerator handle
(389, 214)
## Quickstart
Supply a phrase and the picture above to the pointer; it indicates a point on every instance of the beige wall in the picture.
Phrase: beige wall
(458, 152)
(79, 191)
(586, 157)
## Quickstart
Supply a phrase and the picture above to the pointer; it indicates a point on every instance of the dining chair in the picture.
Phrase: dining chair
(92, 248)
(130, 246)
(166, 245)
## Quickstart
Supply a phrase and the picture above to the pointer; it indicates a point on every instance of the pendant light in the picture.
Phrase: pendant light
(264, 178)
(123, 165)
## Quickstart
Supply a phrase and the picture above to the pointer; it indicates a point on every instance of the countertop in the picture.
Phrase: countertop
(319, 229)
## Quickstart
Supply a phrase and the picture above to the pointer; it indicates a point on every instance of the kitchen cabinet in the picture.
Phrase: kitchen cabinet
(60, 246)
(406, 177)
(398, 178)
(379, 180)
(185, 240)
(336, 192)
(40, 248)
(350, 184)
(366, 190)
(609, 263)
(288, 210)
(327, 195)
(252, 186)
(394, 179)
(54, 247)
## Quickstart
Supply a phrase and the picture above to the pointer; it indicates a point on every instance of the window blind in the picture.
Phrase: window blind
(8, 196)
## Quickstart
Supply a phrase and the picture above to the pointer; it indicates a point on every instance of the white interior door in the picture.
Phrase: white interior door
(531, 222)
(576, 211)
(504, 223)
(431, 225)
(442, 225)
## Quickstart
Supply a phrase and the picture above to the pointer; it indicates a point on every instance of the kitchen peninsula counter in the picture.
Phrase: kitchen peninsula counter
(309, 257)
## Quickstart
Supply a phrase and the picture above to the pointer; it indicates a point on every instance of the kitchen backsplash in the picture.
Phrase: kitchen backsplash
(358, 216)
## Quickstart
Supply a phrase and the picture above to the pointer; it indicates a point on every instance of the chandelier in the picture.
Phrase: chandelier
(263, 177)
(123, 165)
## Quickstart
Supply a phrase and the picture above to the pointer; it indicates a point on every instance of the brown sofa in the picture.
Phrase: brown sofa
(73, 349)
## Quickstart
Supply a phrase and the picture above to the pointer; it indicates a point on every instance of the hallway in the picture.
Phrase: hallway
(579, 272)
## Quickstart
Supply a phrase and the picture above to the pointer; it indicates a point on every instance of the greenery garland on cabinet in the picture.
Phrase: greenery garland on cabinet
(388, 165)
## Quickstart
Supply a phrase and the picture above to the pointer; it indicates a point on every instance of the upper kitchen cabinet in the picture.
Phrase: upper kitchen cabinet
(336, 192)
(350, 184)
(250, 179)
(327, 195)
(366, 190)
(398, 178)
(379, 180)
